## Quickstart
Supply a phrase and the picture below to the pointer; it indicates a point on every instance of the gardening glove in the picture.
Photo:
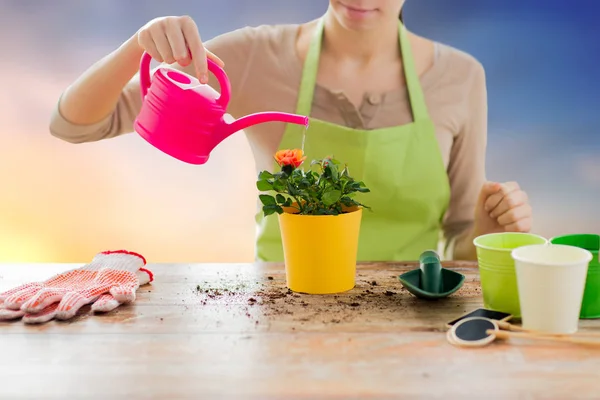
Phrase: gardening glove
(109, 280)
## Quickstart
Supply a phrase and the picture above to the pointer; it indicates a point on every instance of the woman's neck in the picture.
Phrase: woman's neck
(375, 45)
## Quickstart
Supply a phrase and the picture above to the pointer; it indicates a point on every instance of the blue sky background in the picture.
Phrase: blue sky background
(542, 60)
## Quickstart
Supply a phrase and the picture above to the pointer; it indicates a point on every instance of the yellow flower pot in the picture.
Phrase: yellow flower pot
(320, 251)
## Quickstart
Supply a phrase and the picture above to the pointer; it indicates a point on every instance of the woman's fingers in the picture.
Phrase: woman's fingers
(177, 39)
(164, 47)
(214, 57)
(521, 225)
(514, 215)
(494, 200)
(197, 50)
(509, 201)
(147, 43)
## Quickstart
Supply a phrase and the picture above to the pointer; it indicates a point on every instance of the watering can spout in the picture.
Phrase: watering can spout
(262, 117)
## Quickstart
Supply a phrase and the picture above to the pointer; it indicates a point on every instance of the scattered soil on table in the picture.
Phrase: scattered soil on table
(371, 300)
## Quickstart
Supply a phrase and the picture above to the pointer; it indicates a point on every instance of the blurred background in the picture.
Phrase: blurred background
(61, 202)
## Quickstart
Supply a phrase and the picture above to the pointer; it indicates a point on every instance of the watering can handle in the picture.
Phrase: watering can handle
(212, 67)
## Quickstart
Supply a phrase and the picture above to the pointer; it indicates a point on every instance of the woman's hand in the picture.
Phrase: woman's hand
(176, 39)
(502, 207)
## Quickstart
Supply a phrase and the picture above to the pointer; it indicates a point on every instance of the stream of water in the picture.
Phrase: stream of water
(304, 137)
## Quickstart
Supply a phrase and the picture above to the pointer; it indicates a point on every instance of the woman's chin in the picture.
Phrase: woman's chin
(354, 25)
(358, 20)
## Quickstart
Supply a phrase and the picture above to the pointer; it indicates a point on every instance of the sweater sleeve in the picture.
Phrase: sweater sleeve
(233, 48)
(466, 168)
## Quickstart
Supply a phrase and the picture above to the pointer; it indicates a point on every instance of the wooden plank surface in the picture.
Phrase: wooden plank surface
(235, 331)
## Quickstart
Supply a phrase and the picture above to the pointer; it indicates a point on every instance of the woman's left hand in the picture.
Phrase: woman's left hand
(502, 207)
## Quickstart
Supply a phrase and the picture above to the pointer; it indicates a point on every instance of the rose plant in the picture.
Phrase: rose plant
(325, 189)
(315, 263)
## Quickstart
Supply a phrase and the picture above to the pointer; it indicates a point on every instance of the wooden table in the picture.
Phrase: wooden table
(234, 331)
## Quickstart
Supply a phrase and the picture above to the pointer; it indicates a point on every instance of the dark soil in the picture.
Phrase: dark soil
(369, 300)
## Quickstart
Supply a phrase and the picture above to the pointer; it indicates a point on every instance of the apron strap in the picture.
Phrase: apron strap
(415, 92)
(309, 72)
(311, 65)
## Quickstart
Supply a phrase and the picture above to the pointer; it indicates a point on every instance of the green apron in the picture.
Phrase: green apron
(401, 165)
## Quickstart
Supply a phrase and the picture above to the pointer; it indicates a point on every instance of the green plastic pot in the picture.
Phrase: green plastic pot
(590, 305)
(497, 269)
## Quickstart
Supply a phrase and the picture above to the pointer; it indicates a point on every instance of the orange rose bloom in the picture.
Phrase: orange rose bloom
(293, 157)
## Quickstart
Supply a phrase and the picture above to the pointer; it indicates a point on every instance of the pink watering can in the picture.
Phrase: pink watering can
(184, 118)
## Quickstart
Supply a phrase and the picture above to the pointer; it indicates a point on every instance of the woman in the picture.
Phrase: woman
(408, 115)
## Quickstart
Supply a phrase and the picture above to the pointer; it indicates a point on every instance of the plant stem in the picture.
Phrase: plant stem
(299, 204)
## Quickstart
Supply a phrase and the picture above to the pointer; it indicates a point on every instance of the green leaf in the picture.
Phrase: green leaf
(362, 188)
(279, 186)
(272, 209)
(265, 175)
(291, 189)
(304, 183)
(267, 200)
(347, 201)
(280, 198)
(331, 196)
(264, 185)
(330, 171)
(280, 175)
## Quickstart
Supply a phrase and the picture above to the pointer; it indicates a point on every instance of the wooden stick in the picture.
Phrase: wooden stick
(515, 328)
(529, 335)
